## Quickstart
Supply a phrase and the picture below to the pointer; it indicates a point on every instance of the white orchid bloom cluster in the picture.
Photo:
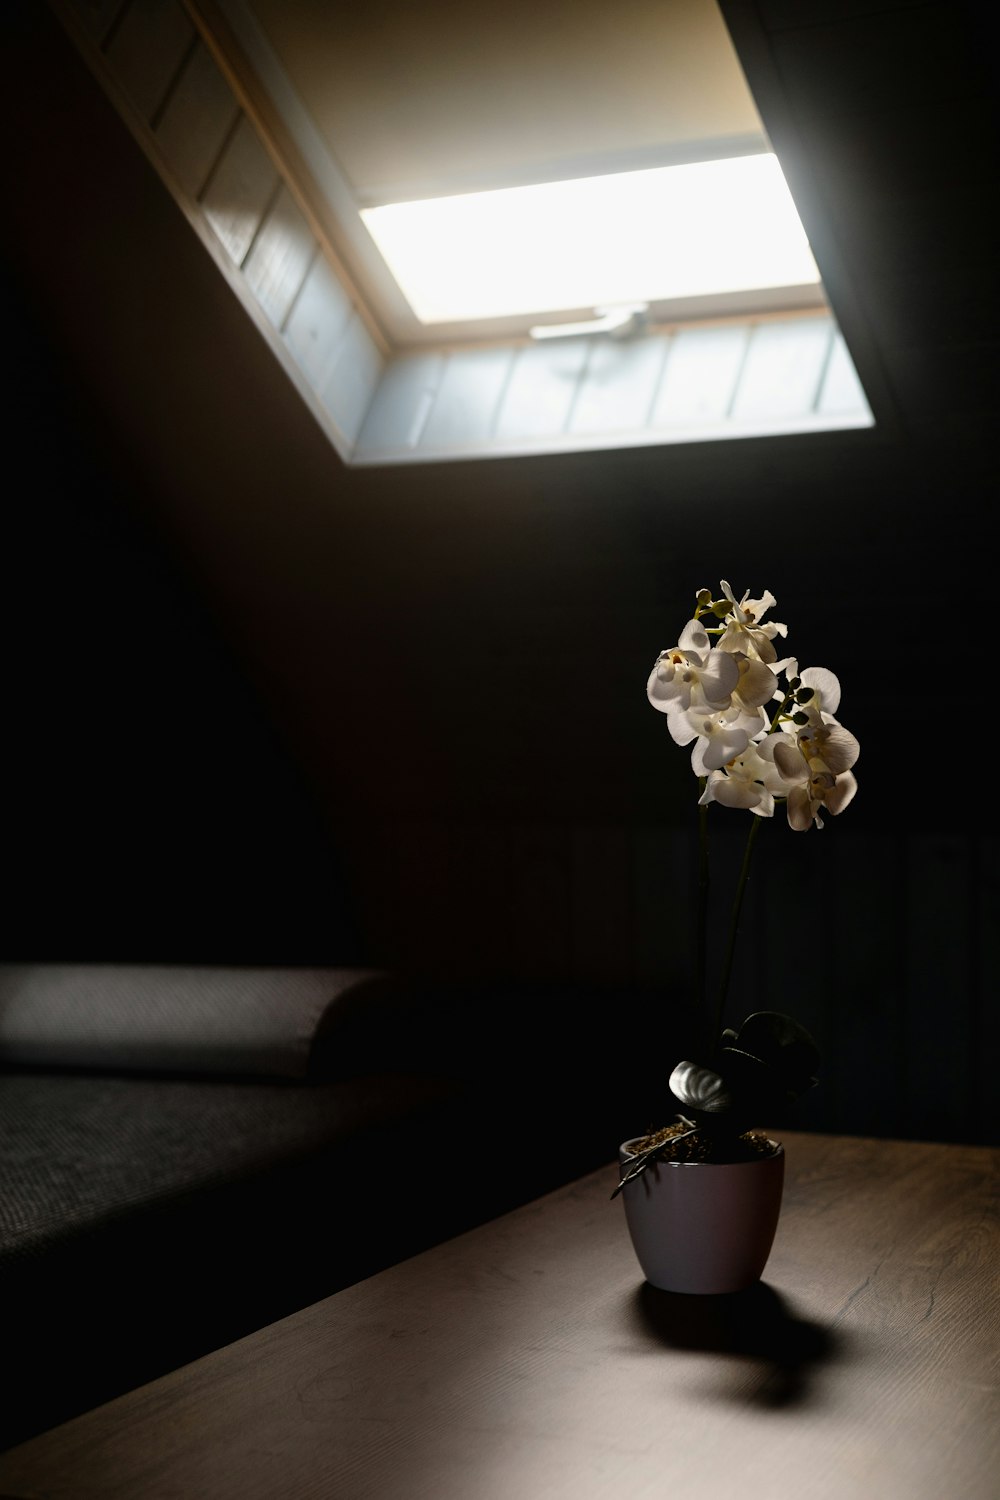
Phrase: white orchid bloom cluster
(714, 695)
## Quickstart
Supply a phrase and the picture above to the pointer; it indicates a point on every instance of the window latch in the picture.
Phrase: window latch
(617, 322)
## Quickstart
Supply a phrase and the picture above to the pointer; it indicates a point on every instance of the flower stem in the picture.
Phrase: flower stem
(701, 927)
(734, 923)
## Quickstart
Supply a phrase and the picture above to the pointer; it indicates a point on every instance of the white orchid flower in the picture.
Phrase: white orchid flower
(824, 746)
(807, 801)
(748, 781)
(718, 738)
(816, 761)
(713, 698)
(743, 630)
(692, 673)
(825, 684)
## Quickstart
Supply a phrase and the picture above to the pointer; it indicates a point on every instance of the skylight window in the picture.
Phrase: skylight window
(648, 236)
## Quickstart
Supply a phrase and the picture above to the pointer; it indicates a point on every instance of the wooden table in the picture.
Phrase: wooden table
(527, 1360)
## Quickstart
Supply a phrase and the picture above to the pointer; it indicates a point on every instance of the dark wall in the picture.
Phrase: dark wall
(152, 811)
(265, 706)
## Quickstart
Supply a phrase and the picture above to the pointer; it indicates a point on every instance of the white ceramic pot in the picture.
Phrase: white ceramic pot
(700, 1226)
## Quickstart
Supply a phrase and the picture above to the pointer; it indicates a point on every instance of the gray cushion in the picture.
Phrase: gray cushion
(78, 1151)
(251, 1021)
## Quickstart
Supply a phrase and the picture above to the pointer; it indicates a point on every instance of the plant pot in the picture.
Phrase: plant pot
(703, 1227)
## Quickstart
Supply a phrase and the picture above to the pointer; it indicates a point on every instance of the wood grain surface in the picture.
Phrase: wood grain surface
(527, 1359)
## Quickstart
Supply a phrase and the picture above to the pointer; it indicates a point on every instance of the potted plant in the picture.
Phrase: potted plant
(702, 1194)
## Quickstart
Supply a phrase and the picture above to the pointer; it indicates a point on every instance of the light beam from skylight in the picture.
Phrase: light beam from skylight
(651, 235)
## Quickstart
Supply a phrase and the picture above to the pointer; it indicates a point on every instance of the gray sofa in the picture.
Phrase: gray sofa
(189, 1153)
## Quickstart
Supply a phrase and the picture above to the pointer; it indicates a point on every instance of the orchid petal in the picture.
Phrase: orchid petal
(735, 792)
(661, 689)
(682, 731)
(799, 809)
(826, 685)
(843, 793)
(759, 607)
(788, 759)
(720, 675)
(694, 637)
(757, 682)
(713, 752)
(839, 748)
